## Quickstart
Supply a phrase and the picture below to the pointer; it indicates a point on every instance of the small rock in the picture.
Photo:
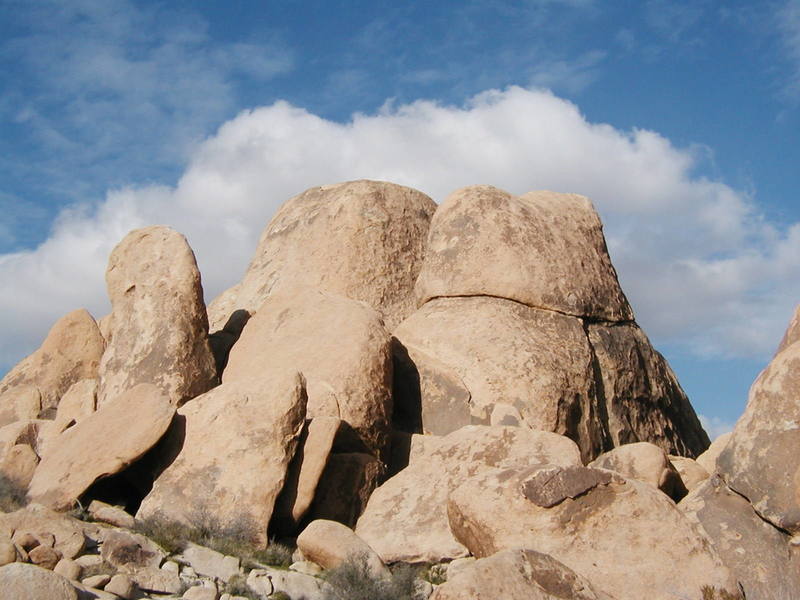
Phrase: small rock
(171, 566)
(130, 551)
(89, 560)
(44, 556)
(210, 562)
(68, 568)
(459, 565)
(25, 540)
(200, 592)
(121, 585)
(307, 567)
(113, 515)
(160, 581)
(329, 543)
(96, 581)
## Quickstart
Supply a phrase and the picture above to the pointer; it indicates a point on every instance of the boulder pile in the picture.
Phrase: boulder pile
(418, 401)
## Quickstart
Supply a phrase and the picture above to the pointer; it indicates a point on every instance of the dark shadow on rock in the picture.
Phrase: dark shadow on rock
(223, 340)
(407, 411)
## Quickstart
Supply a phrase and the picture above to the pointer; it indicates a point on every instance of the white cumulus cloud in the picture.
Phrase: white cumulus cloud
(699, 263)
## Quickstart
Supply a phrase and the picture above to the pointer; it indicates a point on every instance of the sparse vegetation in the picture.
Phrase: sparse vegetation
(205, 530)
(353, 580)
(237, 586)
(12, 495)
(101, 568)
(712, 593)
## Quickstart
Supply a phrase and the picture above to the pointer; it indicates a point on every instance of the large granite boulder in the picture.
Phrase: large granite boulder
(70, 352)
(100, 445)
(516, 575)
(158, 326)
(534, 366)
(542, 249)
(758, 554)
(341, 347)
(624, 536)
(232, 448)
(760, 459)
(362, 239)
(406, 518)
(643, 399)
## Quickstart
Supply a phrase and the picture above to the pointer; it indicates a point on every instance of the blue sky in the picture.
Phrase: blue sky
(679, 119)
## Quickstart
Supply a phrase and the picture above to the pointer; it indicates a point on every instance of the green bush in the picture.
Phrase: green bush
(353, 580)
(12, 495)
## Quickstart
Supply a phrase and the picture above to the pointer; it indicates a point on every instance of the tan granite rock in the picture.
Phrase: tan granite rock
(543, 249)
(362, 239)
(79, 401)
(159, 328)
(708, 459)
(32, 524)
(645, 462)
(516, 575)
(644, 401)
(102, 444)
(233, 446)
(129, 552)
(71, 352)
(599, 524)
(19, 464)
(406, 517)
(537, 361)
(760, 459)
(21, 581)
(692, 474)
(341, 347)
(758, 554)
(329, 544)
(306, 469)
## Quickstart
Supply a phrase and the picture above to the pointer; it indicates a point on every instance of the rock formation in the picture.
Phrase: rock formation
(462, 388)
(364, 240)
(158, 326)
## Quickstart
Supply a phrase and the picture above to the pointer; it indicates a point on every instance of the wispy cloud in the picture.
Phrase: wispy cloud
(788, 24)
(102, 88)
(702, 267)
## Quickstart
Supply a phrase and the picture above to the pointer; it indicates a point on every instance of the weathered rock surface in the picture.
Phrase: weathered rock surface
(158, 328)
(516, 575)
(21, 581)
(760, 459)
(19, 464)
(758, 554)
(362, 239)
(329, 544)
(79, 401)
(345, 487)
(34, 524)
(597, 523)
(644, 401)
(537, 361)
(206, 561)
(406, 518)
(347, 366)
(306, 468)
(645, 462)
(542, 249)
(708, 459)
(266, 582)
(692, 474)
(71, 352)
(233, 447)
(101, 445)
(130, 552)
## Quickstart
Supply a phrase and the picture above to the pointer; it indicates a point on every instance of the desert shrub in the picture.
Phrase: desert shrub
(237, 586)
(712, 593)
(353, 580)
(275, 555)
(12, 495)
(435, 574)
(101, 568)
(206, 530)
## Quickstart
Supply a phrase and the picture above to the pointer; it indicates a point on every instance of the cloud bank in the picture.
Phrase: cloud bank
(702, 268)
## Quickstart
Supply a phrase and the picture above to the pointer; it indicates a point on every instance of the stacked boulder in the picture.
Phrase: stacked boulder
(462, 384)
